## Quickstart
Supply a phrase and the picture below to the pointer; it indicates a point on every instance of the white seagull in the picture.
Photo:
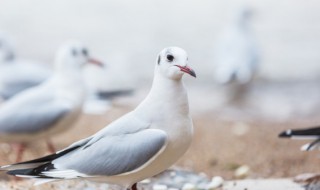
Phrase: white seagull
(236, 55)
(140, 144)
(50, 108)
(312, 133)
(17, 75)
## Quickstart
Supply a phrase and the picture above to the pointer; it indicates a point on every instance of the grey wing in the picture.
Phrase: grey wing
(19, 77)
(113, 155)
(31, 114)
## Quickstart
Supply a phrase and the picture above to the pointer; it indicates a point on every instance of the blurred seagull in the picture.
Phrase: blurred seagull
(236, 55)
(50, 108)
(17, 75)
(309, 133)
(138, 145)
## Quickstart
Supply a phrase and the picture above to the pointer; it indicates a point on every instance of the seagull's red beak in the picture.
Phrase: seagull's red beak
(188, 70)
(95, 62)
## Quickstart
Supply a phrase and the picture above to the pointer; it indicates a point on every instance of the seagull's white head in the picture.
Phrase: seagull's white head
(172, 63)
(6, 49)
(73, 56)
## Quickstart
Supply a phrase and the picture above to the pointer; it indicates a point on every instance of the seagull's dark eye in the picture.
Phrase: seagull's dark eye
(85, 52)
(170, 57)
(74, 52)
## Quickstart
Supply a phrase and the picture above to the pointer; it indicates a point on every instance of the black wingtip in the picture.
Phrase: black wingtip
(36, 172)
(19, 172)
(285, 134)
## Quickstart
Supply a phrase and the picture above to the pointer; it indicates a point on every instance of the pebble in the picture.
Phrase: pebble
(173, 189)
(240, 129)
(146, 181)
(159, 187)
(189, 186)
(242, 172)
(215, 183)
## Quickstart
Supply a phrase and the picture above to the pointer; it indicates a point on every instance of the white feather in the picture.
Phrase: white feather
(67, 174)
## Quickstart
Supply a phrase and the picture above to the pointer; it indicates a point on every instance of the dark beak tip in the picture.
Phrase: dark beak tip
(193, 74)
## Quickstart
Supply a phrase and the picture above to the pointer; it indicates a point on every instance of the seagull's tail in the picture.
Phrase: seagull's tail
(35, 172)
(310, 133)
(37, 162)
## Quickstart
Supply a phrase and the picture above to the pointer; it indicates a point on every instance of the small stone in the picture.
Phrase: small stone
(215, 183)
(159, 187)
(146, 181)
(188, 186)
(173, 174)
(242, 172)
(240, 129)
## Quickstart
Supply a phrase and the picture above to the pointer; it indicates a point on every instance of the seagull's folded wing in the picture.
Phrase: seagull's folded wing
(98, 155)
(112, 155)
(31, 114)
(18, 77)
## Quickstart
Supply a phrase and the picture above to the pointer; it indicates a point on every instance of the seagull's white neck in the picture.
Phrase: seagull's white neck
(163, 86)
(68, 84)
(165, 95)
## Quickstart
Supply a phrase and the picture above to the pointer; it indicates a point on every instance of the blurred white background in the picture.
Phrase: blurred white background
(129, 34)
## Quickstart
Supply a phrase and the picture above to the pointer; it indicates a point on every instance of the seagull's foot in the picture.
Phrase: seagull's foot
(51, 147)
(20, 147)
(134, 187)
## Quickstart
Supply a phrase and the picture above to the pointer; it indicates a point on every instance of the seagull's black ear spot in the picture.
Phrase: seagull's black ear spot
(85, 52)
(170, 57)
(159, 59)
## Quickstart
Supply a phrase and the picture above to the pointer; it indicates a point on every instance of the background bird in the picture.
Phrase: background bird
(236, 53)
(138, 145)
(309, 133)
(17, 74)
(50, 108)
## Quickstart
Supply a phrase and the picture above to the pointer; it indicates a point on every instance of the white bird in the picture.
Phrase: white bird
(236, 55)
(140, 144)
(50, 108)
(17, 75)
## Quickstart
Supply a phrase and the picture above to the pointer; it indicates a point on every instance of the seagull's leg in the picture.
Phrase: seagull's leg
(134, 187)
(50, 146)
(20, 149)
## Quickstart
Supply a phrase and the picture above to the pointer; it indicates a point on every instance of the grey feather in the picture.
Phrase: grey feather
(31, 112)
(17, 77)
(115, 154)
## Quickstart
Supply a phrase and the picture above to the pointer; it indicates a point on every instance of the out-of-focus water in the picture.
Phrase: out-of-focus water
(129, 34)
